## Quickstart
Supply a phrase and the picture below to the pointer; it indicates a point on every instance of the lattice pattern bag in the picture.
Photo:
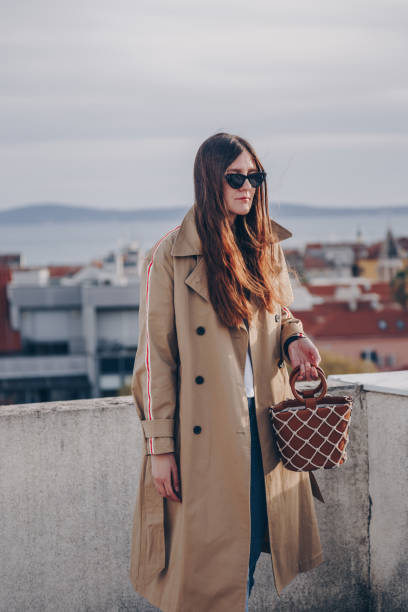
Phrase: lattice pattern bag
(312, 431)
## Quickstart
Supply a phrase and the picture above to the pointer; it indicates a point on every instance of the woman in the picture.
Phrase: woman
(215, 336)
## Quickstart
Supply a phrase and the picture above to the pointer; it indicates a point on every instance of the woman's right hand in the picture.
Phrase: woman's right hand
(165, 476)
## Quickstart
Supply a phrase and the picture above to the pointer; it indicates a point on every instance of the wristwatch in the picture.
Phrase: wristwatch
(292, 339)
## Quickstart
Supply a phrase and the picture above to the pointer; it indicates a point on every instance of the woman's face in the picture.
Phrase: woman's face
(239, 201)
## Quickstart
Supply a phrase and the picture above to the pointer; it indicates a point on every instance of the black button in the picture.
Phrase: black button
(197, 429)
(200, 331)
(276, 317)
(199, 380)
(280, 363)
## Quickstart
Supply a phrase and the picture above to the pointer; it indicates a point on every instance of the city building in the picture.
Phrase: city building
(69, 332)
(358, 319)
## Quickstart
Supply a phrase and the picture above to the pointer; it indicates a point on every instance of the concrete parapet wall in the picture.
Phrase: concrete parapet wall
(68, 480)
(388, 491)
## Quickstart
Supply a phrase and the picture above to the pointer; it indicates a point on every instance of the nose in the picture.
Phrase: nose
(246, 185)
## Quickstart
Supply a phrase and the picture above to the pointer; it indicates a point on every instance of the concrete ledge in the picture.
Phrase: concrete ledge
(41, 408)
(68, 479)
(384, 382)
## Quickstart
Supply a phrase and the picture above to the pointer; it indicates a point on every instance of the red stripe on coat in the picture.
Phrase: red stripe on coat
(147, 360)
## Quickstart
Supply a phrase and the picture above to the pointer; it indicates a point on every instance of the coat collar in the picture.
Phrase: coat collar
(188, 241)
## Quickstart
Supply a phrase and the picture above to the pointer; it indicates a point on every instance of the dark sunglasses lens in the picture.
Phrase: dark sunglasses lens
(256, 178)
(235, 180)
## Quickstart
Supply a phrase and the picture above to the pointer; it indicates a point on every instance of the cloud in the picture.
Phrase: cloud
(88, 83)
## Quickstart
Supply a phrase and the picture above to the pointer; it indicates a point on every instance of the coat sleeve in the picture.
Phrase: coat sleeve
(155, 372)
(291, 327)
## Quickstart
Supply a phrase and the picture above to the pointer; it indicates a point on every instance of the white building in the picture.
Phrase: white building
(78, 333)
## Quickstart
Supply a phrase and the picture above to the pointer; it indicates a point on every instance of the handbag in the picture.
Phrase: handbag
(311, 431)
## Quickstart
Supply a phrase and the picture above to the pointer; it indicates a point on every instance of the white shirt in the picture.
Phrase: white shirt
(248, 376)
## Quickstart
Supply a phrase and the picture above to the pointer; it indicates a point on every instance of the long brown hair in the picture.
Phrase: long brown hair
(239, 258)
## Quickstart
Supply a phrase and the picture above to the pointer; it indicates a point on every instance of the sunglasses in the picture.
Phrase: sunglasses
(237, 180)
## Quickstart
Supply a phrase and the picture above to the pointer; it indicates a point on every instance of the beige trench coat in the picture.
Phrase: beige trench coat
(188, 387)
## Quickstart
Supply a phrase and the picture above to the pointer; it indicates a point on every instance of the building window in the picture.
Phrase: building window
(129, 362)
(400, 324)
(109, 365)
(117, 365)
(369, 355)
(382, 324)
(45, 348)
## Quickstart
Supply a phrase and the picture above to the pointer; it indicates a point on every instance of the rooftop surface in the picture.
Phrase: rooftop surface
(383, 382)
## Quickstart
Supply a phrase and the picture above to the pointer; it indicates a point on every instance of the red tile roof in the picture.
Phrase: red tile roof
(310, 261)
(373, 250)
(322, 290)
(292, 251)
(382, 289)
(337, 320)
(314, 245)
(59, 271)
(9, 339)
(403, 242)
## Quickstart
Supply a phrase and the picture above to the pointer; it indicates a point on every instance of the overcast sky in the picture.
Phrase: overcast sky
(105, 103)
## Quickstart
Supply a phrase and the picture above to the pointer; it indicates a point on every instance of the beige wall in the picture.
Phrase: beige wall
(368, 268)
(352, 348)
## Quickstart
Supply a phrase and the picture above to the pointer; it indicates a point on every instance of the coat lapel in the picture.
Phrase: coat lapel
(187, 241)
(197, 279)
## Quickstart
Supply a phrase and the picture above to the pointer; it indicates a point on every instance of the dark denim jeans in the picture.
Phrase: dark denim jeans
(258, 500)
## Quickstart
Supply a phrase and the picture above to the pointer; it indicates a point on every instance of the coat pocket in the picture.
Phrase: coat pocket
(153, 540)
(154, 552)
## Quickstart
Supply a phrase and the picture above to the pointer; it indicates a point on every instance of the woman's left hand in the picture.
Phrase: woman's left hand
(304, 353)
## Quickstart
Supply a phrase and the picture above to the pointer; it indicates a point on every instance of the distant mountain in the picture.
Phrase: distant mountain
(60, 213)
(305, 210)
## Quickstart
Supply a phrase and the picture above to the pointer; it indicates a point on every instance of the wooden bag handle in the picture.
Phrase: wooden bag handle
(302, 395)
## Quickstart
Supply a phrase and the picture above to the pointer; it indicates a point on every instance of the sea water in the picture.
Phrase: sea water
(81, 242)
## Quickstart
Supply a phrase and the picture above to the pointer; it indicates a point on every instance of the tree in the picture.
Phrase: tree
(334, 363)
(399, 288)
